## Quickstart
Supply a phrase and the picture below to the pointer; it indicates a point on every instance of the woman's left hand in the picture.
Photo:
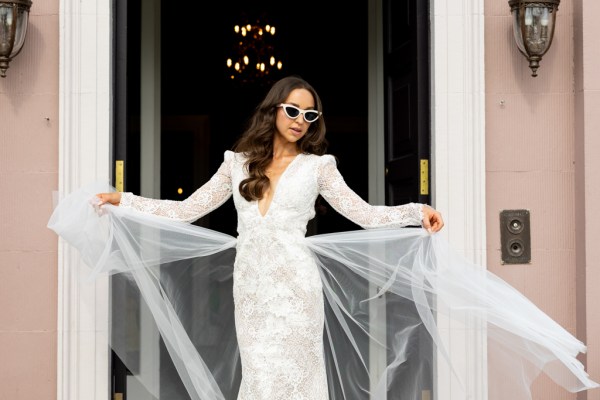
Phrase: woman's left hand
(432, 219)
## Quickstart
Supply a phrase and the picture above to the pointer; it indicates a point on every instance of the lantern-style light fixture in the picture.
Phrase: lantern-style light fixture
(533, 27)
(14, 16)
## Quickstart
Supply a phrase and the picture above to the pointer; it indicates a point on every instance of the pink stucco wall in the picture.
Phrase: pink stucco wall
(531, 163)
(28, 175)
(587, 182)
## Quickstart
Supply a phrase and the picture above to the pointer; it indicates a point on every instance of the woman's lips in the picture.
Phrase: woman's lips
(296, 132)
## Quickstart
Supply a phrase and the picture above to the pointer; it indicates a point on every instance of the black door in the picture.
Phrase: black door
(407, 130)
(192, 88)
(406, 69)
(126, 176)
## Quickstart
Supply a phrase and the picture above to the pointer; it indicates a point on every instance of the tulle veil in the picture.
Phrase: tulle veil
(385, 291)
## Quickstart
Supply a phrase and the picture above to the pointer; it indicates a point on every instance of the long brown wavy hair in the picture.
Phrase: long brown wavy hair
(257, 140)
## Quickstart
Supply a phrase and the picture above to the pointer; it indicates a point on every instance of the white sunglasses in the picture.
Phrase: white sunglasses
(293, 112)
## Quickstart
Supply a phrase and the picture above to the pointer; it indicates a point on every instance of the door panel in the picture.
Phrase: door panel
(407, 127)
(407, 130)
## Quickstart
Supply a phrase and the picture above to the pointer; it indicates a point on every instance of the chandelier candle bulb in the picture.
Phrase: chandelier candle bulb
(528, 17)
(545, 17)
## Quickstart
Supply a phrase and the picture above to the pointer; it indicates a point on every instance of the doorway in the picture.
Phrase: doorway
(202, 112)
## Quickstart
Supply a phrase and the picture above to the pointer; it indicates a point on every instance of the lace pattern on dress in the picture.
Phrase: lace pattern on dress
(207, 198)
(345, 201)
(277, 288)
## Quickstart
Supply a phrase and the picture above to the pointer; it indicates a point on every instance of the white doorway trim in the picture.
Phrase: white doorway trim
(458, 169)
(83, 357)
(458, 172)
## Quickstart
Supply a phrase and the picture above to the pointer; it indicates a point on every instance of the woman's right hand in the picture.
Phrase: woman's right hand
(113, 198)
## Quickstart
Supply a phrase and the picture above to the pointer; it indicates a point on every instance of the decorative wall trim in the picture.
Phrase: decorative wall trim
(84, 156)
(458, 168)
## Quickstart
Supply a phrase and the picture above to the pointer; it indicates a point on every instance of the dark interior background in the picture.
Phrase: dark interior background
(325, 43)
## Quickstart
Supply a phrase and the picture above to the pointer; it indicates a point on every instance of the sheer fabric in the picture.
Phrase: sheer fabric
(310, 319)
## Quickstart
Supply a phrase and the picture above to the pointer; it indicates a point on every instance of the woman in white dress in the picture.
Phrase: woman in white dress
(275, 175)
(302, 316)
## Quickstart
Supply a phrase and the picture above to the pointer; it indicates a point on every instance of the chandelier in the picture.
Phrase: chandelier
(254, 50)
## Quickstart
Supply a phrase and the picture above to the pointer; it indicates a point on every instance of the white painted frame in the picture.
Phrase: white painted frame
(83, 357)
(457, 168)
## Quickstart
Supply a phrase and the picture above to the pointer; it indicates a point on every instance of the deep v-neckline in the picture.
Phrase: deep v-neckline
(275, 189)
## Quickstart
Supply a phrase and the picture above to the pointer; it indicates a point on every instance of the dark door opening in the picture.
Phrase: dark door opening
(203, 112)
(407, 127)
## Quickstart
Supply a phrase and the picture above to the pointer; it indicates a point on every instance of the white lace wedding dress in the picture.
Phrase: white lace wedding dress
(277, 288)
(308, 325)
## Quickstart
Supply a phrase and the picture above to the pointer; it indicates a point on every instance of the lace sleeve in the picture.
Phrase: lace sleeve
(344, 200)
(207, 198)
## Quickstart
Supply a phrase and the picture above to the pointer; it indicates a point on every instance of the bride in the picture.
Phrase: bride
(301, 311)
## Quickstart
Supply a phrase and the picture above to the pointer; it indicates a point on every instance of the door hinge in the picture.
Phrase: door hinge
(424, 178)
(119, 179)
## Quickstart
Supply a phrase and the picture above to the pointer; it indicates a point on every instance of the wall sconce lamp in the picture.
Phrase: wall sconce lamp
(533, 27)
(14, 15)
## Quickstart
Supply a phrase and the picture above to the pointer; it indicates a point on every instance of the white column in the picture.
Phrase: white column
(84, 157)
(458, 172)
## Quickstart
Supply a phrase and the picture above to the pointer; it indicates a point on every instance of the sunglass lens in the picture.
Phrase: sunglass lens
(291, 111)
(311, 116)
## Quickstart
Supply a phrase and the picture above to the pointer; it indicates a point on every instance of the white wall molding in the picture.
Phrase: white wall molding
(84, 154)
(458, 170)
